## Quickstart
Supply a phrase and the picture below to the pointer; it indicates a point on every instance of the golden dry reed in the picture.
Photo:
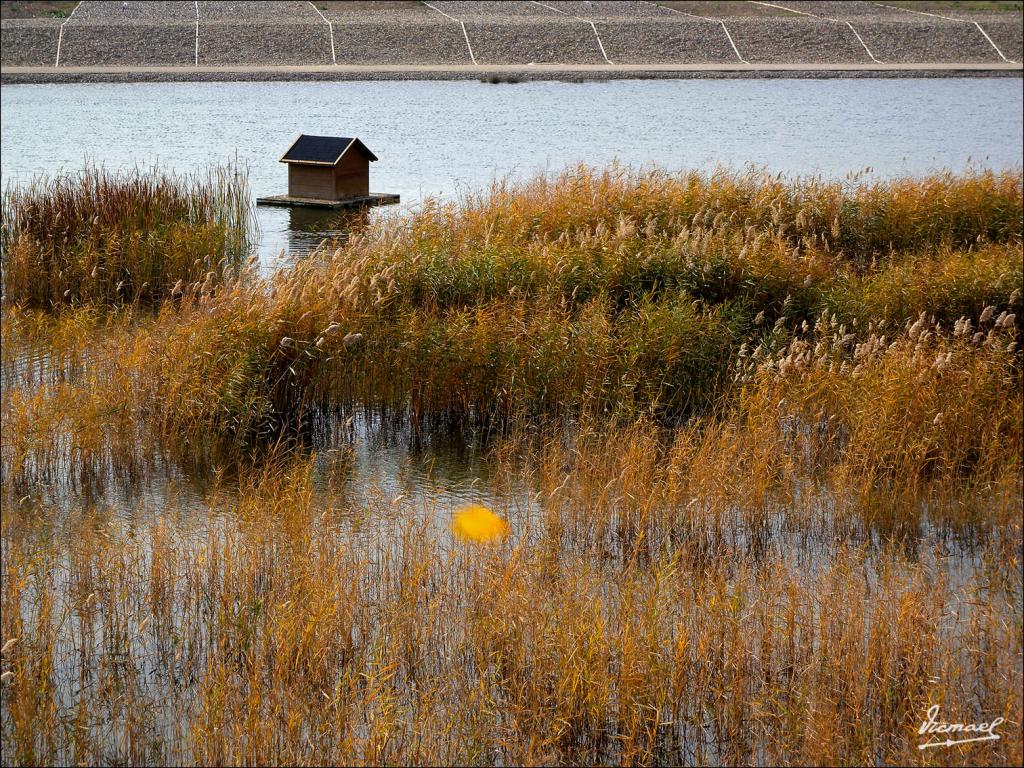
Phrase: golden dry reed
(754, 457)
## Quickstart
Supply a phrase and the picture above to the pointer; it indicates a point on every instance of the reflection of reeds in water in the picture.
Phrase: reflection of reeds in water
(103, 237)
(772, 433)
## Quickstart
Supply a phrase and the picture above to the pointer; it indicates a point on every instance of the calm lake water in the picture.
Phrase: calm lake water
(443, 138)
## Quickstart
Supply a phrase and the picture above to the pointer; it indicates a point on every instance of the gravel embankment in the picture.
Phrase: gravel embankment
(641, 33)
(523, 33)
(406, 36)
(534, 42)
(935, 35)
(848, 10)
(799, 40)
(495, 9)
(29, 42)
(925, 40)
(688, 41)
(726, 10)
(1007, 32)
(258, 12)
(612, 10)
(290, 32)
(124, 45)
(162, 33)
(137, 11)
(143, 33)
(249, 43)
(947, 34)
(410, 42)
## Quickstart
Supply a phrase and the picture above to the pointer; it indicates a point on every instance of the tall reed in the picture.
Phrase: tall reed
(539, 301)
(100, 237)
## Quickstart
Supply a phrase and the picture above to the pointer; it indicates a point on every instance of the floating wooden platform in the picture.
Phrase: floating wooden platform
(370, 201)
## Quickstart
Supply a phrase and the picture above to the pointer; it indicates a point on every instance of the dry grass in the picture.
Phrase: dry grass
(22, 9)
(772, 436)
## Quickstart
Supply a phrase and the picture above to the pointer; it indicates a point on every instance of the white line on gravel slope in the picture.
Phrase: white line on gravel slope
(707, 18)
(825, 18)
(993, 44)
(862, 42)
(60, 34)
(953, 18)
(784, 8)
(330, 26)
(461, 24)
(197, 33)
(564, 13)
(732, 43)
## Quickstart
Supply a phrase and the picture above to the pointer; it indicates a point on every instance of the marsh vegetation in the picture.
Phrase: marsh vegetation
(770, 432)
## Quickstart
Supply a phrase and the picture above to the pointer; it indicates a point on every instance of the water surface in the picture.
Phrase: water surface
(443, 138)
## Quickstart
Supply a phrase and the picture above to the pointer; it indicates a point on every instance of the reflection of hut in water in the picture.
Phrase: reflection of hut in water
(302, 219)
(309, 227)
(329, 172)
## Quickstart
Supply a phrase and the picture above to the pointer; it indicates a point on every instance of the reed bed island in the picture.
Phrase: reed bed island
(758, 444)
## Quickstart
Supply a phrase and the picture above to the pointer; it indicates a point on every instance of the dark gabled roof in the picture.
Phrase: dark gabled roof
(323, 150)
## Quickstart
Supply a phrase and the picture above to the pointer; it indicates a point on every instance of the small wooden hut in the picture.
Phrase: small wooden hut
(328, 167)
(329, 172)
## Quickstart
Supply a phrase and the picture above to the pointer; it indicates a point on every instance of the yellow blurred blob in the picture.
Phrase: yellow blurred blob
(476, 523)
